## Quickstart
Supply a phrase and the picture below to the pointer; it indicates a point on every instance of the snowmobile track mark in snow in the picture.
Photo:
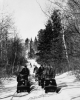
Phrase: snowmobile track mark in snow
(7, 96)
(14, 95)
(42, 95)
(19, 95)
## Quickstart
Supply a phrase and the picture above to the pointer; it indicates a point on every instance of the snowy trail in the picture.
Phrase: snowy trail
(8, 93)
(36, 92)
(70, 90)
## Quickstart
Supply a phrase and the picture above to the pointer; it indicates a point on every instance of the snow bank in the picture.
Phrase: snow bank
(65, 78)
(9, 82)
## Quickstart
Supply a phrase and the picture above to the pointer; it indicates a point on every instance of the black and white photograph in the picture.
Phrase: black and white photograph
(39, 49)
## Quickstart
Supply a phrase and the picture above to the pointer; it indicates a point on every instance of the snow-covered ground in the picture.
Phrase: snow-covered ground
(31, 67)
(70, 89)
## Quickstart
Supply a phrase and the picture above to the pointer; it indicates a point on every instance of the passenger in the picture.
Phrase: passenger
(40, 70)
(30, 65)
(35, 69)
(40, 74)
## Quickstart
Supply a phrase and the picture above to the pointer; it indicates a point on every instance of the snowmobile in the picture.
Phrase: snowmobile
(23, 84)
(50, 85)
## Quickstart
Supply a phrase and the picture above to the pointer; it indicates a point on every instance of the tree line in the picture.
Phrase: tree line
(12, 49)
(59, 43)
(31, 47)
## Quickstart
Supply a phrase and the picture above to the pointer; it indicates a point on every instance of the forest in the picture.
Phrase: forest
(56, 46)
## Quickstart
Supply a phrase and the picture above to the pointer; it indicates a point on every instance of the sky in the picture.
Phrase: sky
(26, 14)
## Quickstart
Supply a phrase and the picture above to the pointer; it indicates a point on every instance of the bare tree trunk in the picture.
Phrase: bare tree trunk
(6, 34)
(66, 52)
(13, 63)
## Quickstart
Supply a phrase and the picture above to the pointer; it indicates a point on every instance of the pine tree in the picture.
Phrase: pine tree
(50, 47)
(44, 42)
(35, 44)
(57, 45)
(31, 52)
(27, 43)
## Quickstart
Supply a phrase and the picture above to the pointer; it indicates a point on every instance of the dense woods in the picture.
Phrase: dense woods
(50, 43)
(58, 43)
(12, 49)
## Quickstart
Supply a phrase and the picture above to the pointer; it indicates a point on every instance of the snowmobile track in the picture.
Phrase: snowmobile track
(7, 96)
(19, 95)
(14, 95)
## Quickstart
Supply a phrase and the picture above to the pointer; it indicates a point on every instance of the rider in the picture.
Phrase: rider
(24, 72)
